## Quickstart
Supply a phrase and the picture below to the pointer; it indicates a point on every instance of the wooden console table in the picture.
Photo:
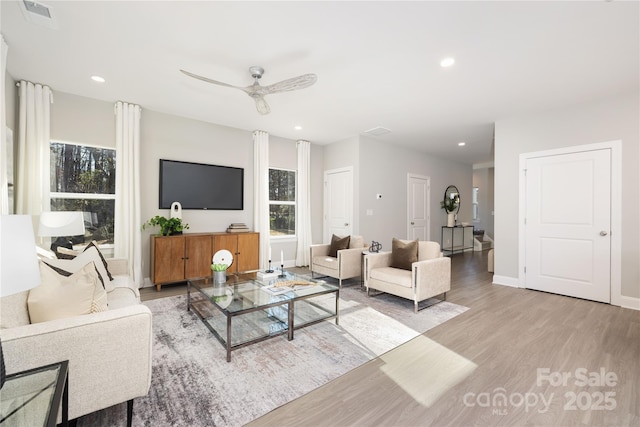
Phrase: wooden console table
(188, 256)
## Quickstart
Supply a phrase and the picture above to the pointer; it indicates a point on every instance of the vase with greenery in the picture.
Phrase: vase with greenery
(450, 205)
(219, 273)
(168, 226)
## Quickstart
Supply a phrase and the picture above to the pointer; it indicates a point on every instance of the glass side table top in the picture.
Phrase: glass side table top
(32, 398)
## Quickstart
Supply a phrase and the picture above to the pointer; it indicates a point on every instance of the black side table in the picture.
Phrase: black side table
(33, 397)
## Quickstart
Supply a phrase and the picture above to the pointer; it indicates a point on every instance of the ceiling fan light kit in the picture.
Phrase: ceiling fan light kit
(258, 92)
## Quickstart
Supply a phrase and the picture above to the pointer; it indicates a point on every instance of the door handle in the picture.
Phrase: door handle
(412, 223)
(346, 224)
(603, 233)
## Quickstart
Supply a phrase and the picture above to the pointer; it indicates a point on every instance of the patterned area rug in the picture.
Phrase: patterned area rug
(193, 385)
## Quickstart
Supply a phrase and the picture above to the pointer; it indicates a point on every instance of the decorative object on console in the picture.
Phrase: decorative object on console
(451, 204)
(375, 246)
(176, 210)
(238, 227)
(221, 261)
(168, 227)
(18, 262)
(63, 225)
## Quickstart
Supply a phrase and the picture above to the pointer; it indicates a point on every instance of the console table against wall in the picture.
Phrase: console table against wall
(456, 246)
(188, 256)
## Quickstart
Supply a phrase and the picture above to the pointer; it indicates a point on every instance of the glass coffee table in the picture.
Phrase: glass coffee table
(250, 311)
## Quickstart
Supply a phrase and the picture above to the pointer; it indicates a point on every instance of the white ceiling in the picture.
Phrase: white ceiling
(377, 62)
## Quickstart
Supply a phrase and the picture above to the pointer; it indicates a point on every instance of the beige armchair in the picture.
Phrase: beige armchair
(346, 265)
(430, 276)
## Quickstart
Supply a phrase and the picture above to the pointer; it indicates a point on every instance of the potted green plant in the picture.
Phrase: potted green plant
(450, 205)
(168, 226)
(219, 273)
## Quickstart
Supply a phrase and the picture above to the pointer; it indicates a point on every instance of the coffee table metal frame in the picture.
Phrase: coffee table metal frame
(288, 304)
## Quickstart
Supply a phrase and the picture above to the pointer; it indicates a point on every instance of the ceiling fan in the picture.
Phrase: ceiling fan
(258, 92)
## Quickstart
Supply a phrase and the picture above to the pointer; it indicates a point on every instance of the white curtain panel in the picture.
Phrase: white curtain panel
(303, 199)
(4, 181)
(33, 180)
(261, 192)
(127, 239)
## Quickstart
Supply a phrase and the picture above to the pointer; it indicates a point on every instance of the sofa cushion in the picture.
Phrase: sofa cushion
(396, 276)
(59, 297)
(428, 250)
(338, 244)
(77, 263)
(326, 261)
(403, 253)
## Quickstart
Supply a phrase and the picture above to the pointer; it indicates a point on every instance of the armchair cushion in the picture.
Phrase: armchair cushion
(403, 253)
(356, 242)
(338, 244)
(398, 276)
(61, 296)
(326, 261)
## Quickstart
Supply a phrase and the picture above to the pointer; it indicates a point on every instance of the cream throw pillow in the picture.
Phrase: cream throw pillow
(75, 264)
(59, 297)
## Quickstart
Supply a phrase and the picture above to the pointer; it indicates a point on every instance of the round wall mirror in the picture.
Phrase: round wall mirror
(451, 202)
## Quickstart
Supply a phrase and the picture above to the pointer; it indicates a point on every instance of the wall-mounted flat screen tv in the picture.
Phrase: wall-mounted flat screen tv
(201, 186)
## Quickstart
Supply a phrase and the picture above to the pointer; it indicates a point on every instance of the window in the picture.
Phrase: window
(282, 202)
(474, 204)
(83, 178)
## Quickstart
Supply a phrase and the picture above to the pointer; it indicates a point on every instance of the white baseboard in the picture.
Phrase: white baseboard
(506, 281)
(628, 302)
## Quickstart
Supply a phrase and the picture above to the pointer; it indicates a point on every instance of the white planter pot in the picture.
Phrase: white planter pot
(219, 277)
(451, 219)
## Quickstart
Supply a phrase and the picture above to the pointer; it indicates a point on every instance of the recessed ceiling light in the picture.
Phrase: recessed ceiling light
(462, 144)
(447, 62)
(97, 79)
(297, 127)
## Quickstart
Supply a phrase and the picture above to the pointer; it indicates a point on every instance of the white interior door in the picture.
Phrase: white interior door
(338, 203)
(418, 189)
(568, 224)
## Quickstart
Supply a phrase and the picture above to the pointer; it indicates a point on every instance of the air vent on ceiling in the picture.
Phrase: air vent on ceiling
(38, 13)
(377, 131)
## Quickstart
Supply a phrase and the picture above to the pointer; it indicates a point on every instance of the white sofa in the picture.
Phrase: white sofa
(429, 276)
(109, 352)
(346, 265)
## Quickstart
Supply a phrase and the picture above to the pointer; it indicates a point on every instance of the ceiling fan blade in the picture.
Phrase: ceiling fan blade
(208, 80)
(294, 83)
(261, 105)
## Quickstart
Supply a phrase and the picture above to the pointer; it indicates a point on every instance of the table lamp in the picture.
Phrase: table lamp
(61, 224)
(19, 270)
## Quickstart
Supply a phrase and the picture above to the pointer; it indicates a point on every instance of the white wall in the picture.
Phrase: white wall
(616, 118)
(384, 169)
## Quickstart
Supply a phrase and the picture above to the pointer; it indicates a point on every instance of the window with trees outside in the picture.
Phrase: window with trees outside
(83, 178)
(282, 202)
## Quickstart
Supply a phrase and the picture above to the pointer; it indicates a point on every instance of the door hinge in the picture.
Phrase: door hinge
(525, 269)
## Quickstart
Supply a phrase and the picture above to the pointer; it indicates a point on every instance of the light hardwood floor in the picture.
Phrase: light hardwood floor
(456, 373)
(496, 364)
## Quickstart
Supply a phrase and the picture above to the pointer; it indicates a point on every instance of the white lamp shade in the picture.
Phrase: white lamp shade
(61, 223)
(19, 270)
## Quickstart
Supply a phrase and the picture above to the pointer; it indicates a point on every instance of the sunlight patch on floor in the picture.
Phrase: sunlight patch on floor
(425, 369)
